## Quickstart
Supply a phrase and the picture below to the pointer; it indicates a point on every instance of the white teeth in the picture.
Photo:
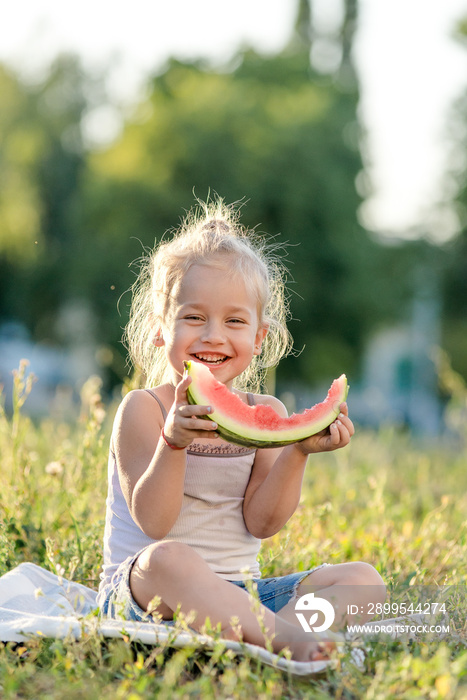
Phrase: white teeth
(205, 358)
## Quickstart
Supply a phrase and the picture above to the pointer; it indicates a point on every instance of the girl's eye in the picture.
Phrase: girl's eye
(193, 317)
(236, 320)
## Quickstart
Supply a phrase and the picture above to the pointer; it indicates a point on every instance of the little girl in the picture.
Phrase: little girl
(186, 510)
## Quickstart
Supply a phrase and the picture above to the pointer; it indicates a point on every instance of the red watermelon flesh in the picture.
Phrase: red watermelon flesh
(260, 425)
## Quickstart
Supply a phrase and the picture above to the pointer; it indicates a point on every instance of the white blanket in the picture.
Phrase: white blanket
(36, 603)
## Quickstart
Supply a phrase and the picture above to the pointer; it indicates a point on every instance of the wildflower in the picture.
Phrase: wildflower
(54, 468)
(99, 414)
(90, 391)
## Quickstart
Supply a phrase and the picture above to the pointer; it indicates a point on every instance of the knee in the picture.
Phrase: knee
(364, 574)
(167, 556)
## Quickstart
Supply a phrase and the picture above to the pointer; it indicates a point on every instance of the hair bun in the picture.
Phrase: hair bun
(214, 225)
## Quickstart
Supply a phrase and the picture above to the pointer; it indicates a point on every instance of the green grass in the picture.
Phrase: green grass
(388, 499)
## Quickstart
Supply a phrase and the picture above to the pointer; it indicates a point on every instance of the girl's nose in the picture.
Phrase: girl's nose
(213, 334)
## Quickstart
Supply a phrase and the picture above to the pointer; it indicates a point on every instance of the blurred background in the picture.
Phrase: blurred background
(341, 125)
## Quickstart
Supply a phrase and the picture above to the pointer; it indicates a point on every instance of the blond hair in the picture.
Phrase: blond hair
(210, 232)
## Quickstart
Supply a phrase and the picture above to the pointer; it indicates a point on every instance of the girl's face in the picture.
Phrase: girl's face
(214, 320)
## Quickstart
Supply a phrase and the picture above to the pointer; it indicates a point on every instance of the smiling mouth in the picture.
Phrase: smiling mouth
(210, 359)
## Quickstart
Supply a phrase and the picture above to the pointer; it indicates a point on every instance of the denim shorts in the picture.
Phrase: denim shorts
(116, 601)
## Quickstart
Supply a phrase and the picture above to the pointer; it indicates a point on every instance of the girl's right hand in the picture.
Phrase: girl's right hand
(182, 424)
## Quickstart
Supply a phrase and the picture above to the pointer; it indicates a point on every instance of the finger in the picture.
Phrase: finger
(345, 420)
(337, 433)
(210, 434)
(344, 409)
(180, 390)
(194, 410)
(334, 437)
(343, 433)
(198, 424)
(339, 436)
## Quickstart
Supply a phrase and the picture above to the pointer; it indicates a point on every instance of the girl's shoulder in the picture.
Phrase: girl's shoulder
(139, 401)
(136, 428)
(165, 392)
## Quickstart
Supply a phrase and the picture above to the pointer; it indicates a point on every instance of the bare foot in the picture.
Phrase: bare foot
(306, 650)
(302, 647)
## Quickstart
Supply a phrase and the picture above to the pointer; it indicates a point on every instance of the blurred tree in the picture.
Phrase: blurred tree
(20, 204)
(274, 131)
(41, 158)
(455, 277)
(302, 33)
(20, 145)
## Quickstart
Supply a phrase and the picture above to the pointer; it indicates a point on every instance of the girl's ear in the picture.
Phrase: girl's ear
(154, 321)
(260, 336)
(158, 339)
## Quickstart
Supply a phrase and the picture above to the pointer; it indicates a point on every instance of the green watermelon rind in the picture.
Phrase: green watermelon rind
(248, 441)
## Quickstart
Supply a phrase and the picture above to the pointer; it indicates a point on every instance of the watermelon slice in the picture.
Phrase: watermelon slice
(259, 425)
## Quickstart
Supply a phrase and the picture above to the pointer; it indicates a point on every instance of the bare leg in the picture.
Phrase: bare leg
(179, 576)
(343, 585)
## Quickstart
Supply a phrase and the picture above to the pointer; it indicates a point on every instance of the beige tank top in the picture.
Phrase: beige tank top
(211, 518)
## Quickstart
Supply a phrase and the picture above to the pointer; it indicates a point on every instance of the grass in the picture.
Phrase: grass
(388, 499)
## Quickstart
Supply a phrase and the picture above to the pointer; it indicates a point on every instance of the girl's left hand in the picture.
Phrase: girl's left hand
(337, 435)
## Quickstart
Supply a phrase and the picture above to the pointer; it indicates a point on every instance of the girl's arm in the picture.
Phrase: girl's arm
(151, 473)
(273, 492)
